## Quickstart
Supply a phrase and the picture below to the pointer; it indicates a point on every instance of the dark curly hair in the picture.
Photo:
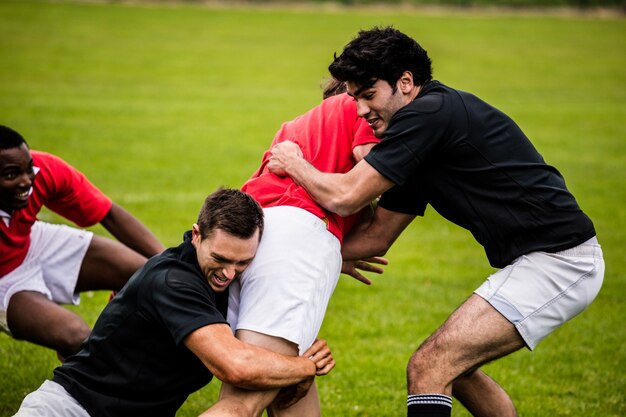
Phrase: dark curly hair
(381, 54)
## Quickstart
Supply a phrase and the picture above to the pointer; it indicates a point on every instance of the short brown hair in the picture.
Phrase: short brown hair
(232, 211)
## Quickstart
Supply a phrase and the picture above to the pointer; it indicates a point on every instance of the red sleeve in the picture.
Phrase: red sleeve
(69, 192)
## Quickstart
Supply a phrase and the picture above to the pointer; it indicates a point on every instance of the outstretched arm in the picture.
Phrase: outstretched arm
(354, 268)
(252, 367)
(369, 240)
(343, 194)
(131, 232)
(374, 236)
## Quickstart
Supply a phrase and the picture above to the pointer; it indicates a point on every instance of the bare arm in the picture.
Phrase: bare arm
(131, 232)
(252, 367)
(354, 268)
(359, 151)
(343, 194)
(375, 236)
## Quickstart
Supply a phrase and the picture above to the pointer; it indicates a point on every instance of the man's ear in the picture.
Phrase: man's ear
(405, 82)
(195, 234)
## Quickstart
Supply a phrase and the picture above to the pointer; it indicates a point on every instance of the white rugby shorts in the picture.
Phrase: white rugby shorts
(50, 400)
(51, 266)
(285, 290)
(540, 291)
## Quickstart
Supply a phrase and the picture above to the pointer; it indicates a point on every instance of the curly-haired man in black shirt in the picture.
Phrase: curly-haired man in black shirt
(473, 165)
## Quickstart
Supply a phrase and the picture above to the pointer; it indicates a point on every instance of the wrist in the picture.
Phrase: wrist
(311, 367)
(297, 169)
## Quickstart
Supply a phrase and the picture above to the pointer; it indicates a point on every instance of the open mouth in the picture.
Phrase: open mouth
(373, 122)
(22, 196)
(220, 280)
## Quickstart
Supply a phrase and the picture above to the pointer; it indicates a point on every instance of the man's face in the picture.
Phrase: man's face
(223, 257)
(377, 104)
(16, 178)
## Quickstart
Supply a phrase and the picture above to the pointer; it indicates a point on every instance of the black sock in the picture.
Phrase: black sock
(429, 405)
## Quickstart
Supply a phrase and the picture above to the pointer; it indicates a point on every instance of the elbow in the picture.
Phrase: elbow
(235, 378)
(238, 373)
(342, 210)
(344, 204)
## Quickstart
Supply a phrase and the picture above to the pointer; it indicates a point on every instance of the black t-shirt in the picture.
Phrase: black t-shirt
(475, 166)
(134, 363)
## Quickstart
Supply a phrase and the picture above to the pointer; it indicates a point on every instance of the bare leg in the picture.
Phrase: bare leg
(482, 396)
(473, 335)
(240, 402)
(107, 265)
(307, 406)
(34, 318)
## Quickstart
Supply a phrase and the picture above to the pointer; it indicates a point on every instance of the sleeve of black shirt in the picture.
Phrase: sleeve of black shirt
(184, 303)
(414, 135)
(406, 199)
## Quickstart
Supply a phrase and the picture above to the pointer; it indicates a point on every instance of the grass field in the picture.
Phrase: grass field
(161, 104)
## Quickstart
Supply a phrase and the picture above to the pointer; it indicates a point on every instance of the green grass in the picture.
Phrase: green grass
(161, 104)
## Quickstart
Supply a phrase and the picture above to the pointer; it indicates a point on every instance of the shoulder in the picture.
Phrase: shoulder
(435, 105)
(430, 100)
(41, 158)
(172, 260)
(339, 99)
(165, 278)
(51, 165)
(176, 268)
(339, 102)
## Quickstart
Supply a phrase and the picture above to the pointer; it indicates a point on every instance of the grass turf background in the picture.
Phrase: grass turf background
(161, 104)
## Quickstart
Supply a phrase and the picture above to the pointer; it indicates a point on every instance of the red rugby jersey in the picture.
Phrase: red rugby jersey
(61, 188)
(327, 134)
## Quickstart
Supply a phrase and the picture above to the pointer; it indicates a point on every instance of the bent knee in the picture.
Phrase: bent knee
(429, 370)
(419, 364)
(34, 319)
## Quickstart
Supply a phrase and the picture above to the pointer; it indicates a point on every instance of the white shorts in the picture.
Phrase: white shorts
(51, 266)
(50, 400)
(284, 292)
(540, 291)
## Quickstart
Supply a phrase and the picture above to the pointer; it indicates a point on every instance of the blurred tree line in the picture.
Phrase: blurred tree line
(468, 3)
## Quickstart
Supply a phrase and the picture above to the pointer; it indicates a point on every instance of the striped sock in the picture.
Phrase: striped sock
(429, 405)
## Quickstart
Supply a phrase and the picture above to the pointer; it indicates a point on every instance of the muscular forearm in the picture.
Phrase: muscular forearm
(332, 191)
(363, 246)
(374, 236)
(248, 366)
(131, 232)
(343, 194)
(258, 368)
